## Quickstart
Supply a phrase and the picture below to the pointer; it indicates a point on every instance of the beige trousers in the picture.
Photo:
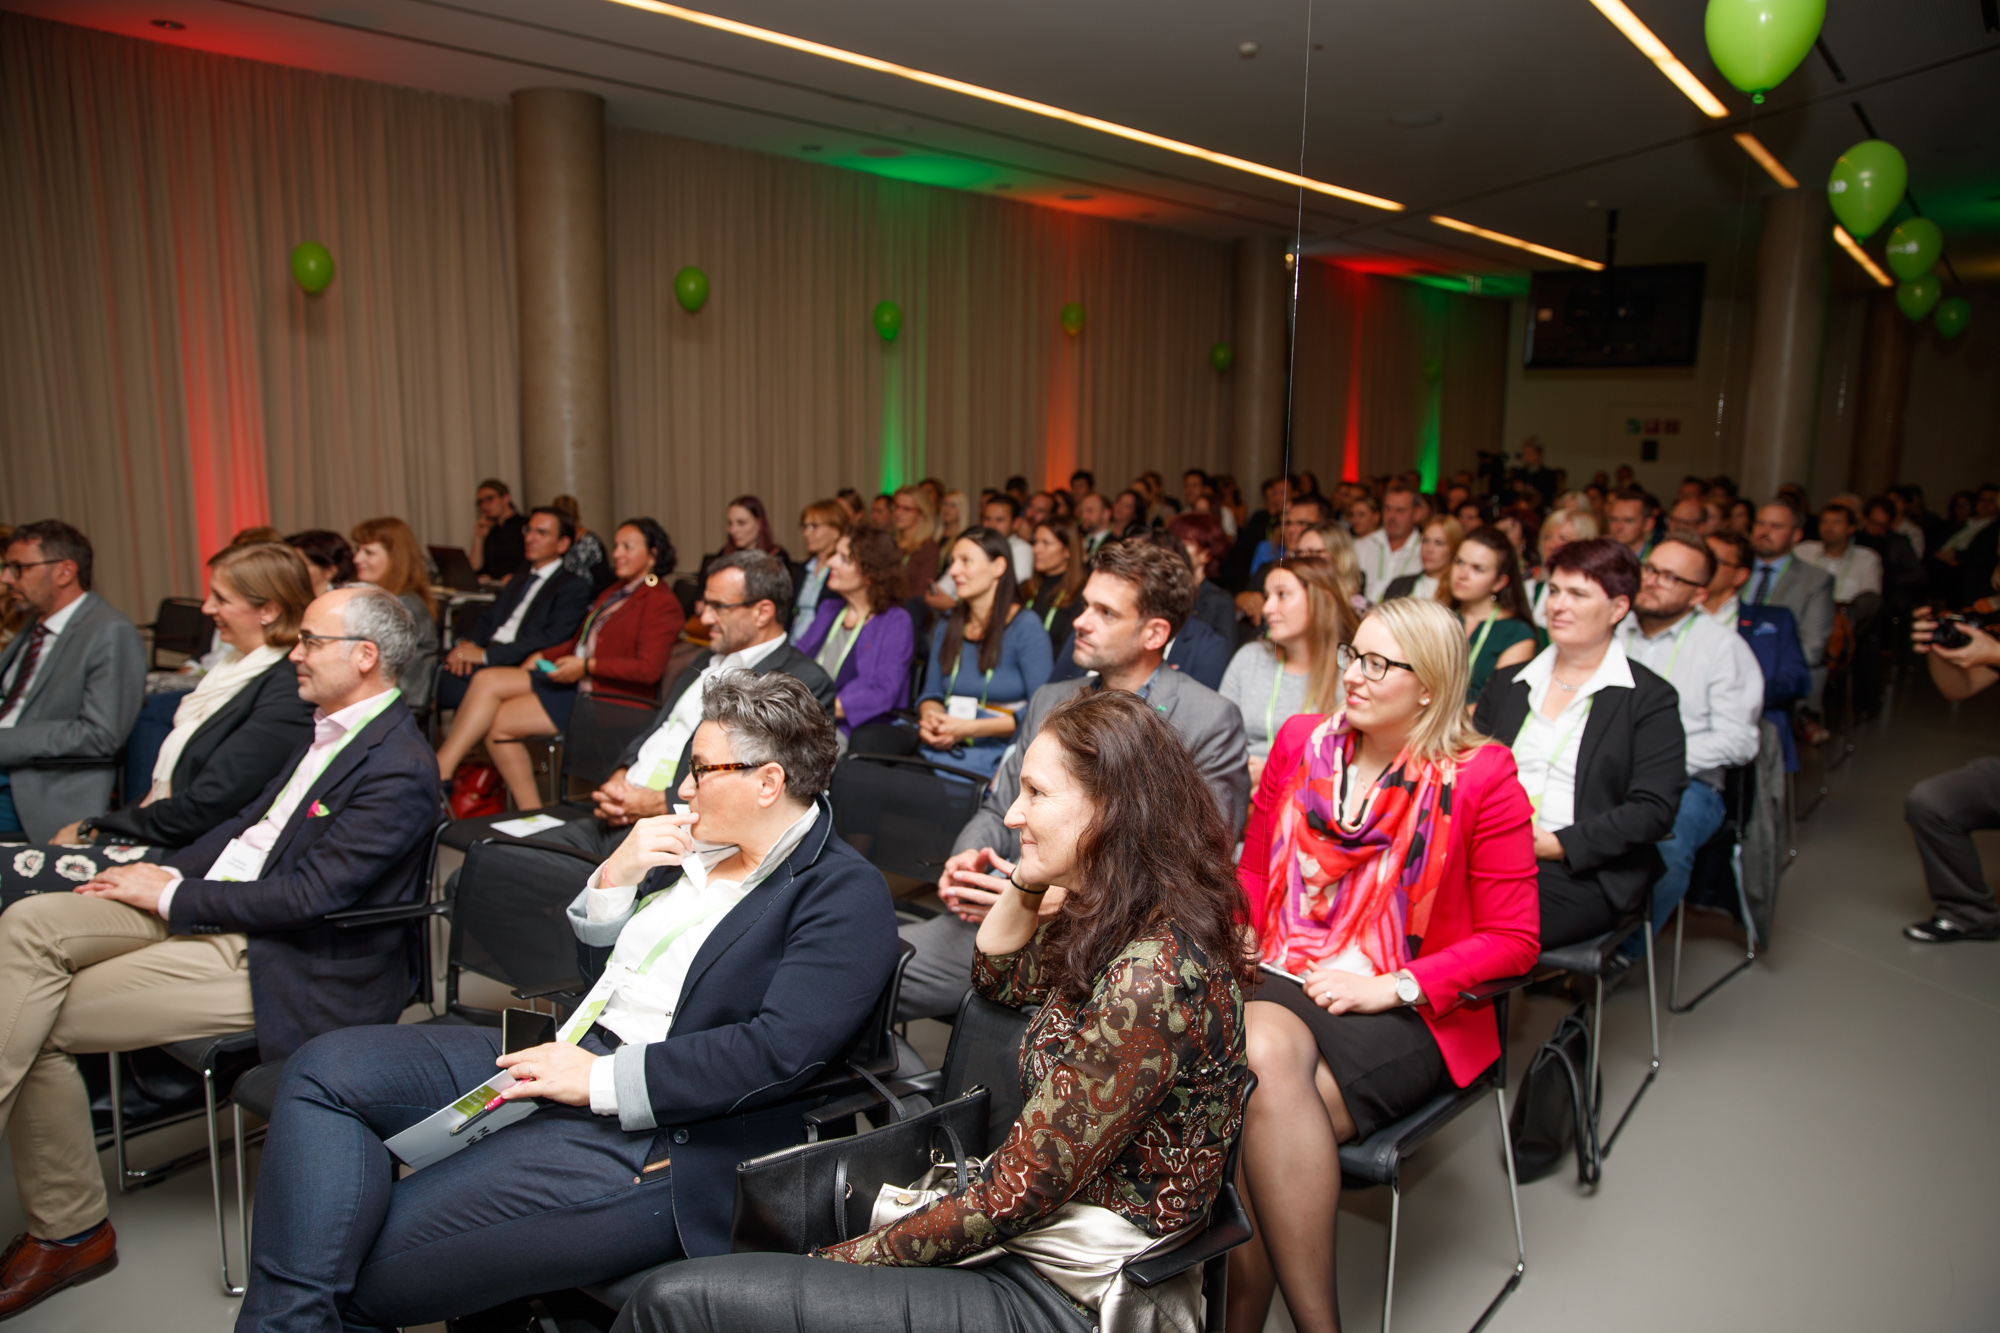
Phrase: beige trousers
(81, 975)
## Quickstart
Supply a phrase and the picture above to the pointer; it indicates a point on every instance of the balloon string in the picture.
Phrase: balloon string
(1735, 275)
(1292, 307)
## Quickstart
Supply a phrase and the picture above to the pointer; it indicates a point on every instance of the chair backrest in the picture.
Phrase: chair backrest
(180, 627)
(902, 814)
(599, 730)
(508, 918)
(874, 1047)
(985, 1052)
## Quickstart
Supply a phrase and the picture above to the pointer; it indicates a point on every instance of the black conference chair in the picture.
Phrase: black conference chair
(1720, 862)
(178, 626)
(901, 812)
(1378, 1159)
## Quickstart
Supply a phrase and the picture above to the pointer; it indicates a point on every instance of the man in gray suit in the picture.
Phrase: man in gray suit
(1779, 578)
(70, 686)
(1136, 601)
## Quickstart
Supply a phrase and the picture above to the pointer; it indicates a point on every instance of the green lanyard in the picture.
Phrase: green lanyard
(1562, 743)
(953, 689)
(299, 774)
(1484, 630)
(1271, 704)
(1680, 642)
(847, 647)
(580, 1022)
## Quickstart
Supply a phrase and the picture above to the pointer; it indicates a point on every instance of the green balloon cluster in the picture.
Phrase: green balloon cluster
(1914, 247)
(888, 320)
(1222, 356)
(1867, 183)
(1952, 314)
(1916, 297)
(312, 267)
(691, 288)
(1758, 43)
(1072, 318)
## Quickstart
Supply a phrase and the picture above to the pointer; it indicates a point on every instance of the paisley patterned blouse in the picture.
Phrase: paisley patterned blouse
(1131, 1100)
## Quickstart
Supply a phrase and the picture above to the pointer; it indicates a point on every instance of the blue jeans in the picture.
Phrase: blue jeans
(1700, 815)
(558, 1200)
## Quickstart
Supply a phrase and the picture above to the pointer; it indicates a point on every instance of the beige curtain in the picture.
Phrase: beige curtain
(163, 381)
(780, 387)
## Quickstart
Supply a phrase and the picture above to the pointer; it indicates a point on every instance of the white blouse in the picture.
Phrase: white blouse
(1546, 749)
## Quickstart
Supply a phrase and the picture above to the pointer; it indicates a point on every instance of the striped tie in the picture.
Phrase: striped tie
(25, 672)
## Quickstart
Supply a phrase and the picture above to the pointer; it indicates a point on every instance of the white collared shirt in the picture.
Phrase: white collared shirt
(1546, 749)
(670, 738)
(538, 579)
(1720, 685)
(54, 625)
(1908, 527)
(1382, 565)
(1855, 570)
(639, 1001)
(1728, 613)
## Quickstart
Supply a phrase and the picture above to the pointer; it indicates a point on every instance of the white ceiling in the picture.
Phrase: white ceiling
(1545, 116)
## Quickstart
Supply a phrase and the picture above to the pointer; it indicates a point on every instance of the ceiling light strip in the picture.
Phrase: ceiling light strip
(1519, 244)
(1860, 256)
(1656, 51)
(1772, 166)
(825, 52)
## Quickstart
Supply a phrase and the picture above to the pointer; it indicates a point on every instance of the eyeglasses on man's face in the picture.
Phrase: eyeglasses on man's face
(1373, 665)
(1651, 571)
(698, 769)
(12, 568)
(310, 642)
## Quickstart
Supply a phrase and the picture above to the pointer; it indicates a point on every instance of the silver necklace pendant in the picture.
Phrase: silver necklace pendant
(1570, 689)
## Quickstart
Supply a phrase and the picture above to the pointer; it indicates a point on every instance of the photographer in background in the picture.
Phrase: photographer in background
(1943, 811)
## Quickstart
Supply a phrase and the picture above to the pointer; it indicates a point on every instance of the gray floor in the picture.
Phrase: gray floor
(1820, 1150)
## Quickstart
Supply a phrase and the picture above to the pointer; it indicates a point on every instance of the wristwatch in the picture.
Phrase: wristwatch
(1407, 989)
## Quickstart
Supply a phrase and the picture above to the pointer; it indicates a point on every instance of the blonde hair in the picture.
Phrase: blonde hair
(1454, 533)
(1582, 525)
(264, 573)
(927, 530)
(1340, 550)
(406, 559)
(1432, 640)
(1330, 623)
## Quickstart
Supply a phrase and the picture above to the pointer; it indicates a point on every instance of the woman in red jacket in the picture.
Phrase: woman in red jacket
(621, 651)
(1387, 866)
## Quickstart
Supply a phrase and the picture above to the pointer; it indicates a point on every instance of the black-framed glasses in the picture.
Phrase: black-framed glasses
(1649, 570)
(12, 568)
(698, 769)
(310, 642)
(726, 606)
(1373, 665)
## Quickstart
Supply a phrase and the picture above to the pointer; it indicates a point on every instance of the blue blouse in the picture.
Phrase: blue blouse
(1025, 663)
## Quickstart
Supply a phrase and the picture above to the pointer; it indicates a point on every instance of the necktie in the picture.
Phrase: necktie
(25, 672)
(1764, 573)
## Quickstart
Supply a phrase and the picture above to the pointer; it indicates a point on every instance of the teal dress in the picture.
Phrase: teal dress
(1503, 635)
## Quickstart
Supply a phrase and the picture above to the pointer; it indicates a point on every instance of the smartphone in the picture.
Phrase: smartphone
(522, 1028)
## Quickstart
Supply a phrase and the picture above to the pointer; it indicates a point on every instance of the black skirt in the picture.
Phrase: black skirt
(1386, 1064)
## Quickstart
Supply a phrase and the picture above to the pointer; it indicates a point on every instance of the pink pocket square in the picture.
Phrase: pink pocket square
(317, 810)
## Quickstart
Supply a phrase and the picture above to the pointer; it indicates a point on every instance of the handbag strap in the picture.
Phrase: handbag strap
(958, 1157)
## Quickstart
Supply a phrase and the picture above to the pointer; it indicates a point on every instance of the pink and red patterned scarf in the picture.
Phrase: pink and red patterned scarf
(1368, 888)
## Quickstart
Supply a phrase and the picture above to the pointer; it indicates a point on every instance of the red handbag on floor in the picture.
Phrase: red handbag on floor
(476, 792)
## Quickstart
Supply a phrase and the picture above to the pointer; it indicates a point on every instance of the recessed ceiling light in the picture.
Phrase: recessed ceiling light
(1248, 50)
(1079, 198)
(1416, 120)
(964, 89)
(881, 150)
(810, 148)
(169, 25)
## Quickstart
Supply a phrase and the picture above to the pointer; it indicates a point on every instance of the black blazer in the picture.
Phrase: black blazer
(359, 838)
(785, 658)
(552, 617)
(229, 759)
(777, 992)
(1630, 768)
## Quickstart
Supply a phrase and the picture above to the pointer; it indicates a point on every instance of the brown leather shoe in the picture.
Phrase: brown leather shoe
(33, 1270)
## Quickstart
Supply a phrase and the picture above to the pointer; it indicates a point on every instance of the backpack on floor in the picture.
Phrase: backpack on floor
(1550, 1114)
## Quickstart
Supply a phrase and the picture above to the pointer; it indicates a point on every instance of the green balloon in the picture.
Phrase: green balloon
(1222, 356)
(1914, 248)
(312, 267)
(1866, 185)
(1072, 318)
(888, 320)
(1916, 297)
(1757, 43)
(691, 288)
(1952, 314)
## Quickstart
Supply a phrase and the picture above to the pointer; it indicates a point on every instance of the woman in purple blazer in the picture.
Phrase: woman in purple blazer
(862, 637)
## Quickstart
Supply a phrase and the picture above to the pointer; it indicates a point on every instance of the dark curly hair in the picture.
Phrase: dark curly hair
(657, 541)
(880, 561)
(1156, 846)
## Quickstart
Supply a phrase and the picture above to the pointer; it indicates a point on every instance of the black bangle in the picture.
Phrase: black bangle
(1019, 887)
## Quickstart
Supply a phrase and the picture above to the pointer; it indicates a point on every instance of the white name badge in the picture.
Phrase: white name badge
(239, 861)
(962, 706)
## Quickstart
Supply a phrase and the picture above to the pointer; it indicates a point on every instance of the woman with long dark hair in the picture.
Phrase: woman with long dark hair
(1119, 923)
(387, 555)
(987, 657)
(1483, 586)
(749, 529)
(1054, 592)
(860, 634)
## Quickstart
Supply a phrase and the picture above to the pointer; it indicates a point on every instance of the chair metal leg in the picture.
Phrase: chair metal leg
(215, 1179)
(130, 1179)
(1395, 1220)
(1749, 936)
(242, 1203)
(1653, 1018)
(1514, 1200)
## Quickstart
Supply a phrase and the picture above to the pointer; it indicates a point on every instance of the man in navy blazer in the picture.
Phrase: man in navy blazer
(1771, 631)
(542, 605)
(737, 950)
(230, 933)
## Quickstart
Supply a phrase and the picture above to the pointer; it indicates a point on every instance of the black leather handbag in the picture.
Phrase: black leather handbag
(805, 1197)
(1551, 1114)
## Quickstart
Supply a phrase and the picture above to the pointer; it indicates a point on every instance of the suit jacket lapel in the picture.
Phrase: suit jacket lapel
(1601, 720)
(755, 903)
(54, 655)
(344, 763)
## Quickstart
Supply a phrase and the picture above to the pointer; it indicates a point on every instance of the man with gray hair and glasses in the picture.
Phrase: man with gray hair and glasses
(229, 933)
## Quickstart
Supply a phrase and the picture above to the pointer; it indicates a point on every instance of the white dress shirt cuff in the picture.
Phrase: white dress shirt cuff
(603, 1087)
(606, 902)
(166, 906)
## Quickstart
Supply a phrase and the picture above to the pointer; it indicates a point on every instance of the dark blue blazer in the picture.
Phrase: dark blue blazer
(359, 838)
(553, 617)
(776, 993)
(1197, 652)
(1773, 635)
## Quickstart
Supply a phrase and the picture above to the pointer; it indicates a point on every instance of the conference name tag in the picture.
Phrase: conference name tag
(663, 775)
(962, 706)
(239, 861)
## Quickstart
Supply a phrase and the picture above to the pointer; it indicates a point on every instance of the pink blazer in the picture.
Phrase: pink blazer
(1486, 920)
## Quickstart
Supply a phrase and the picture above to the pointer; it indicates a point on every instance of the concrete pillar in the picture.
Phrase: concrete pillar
(1786, 342)
(559, 211)
(1257, 440)
(1885, 384)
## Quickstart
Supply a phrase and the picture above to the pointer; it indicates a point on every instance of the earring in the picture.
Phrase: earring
(1423, 703)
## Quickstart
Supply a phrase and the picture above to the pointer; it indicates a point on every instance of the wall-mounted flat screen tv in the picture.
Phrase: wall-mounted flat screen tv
(1645, 315)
